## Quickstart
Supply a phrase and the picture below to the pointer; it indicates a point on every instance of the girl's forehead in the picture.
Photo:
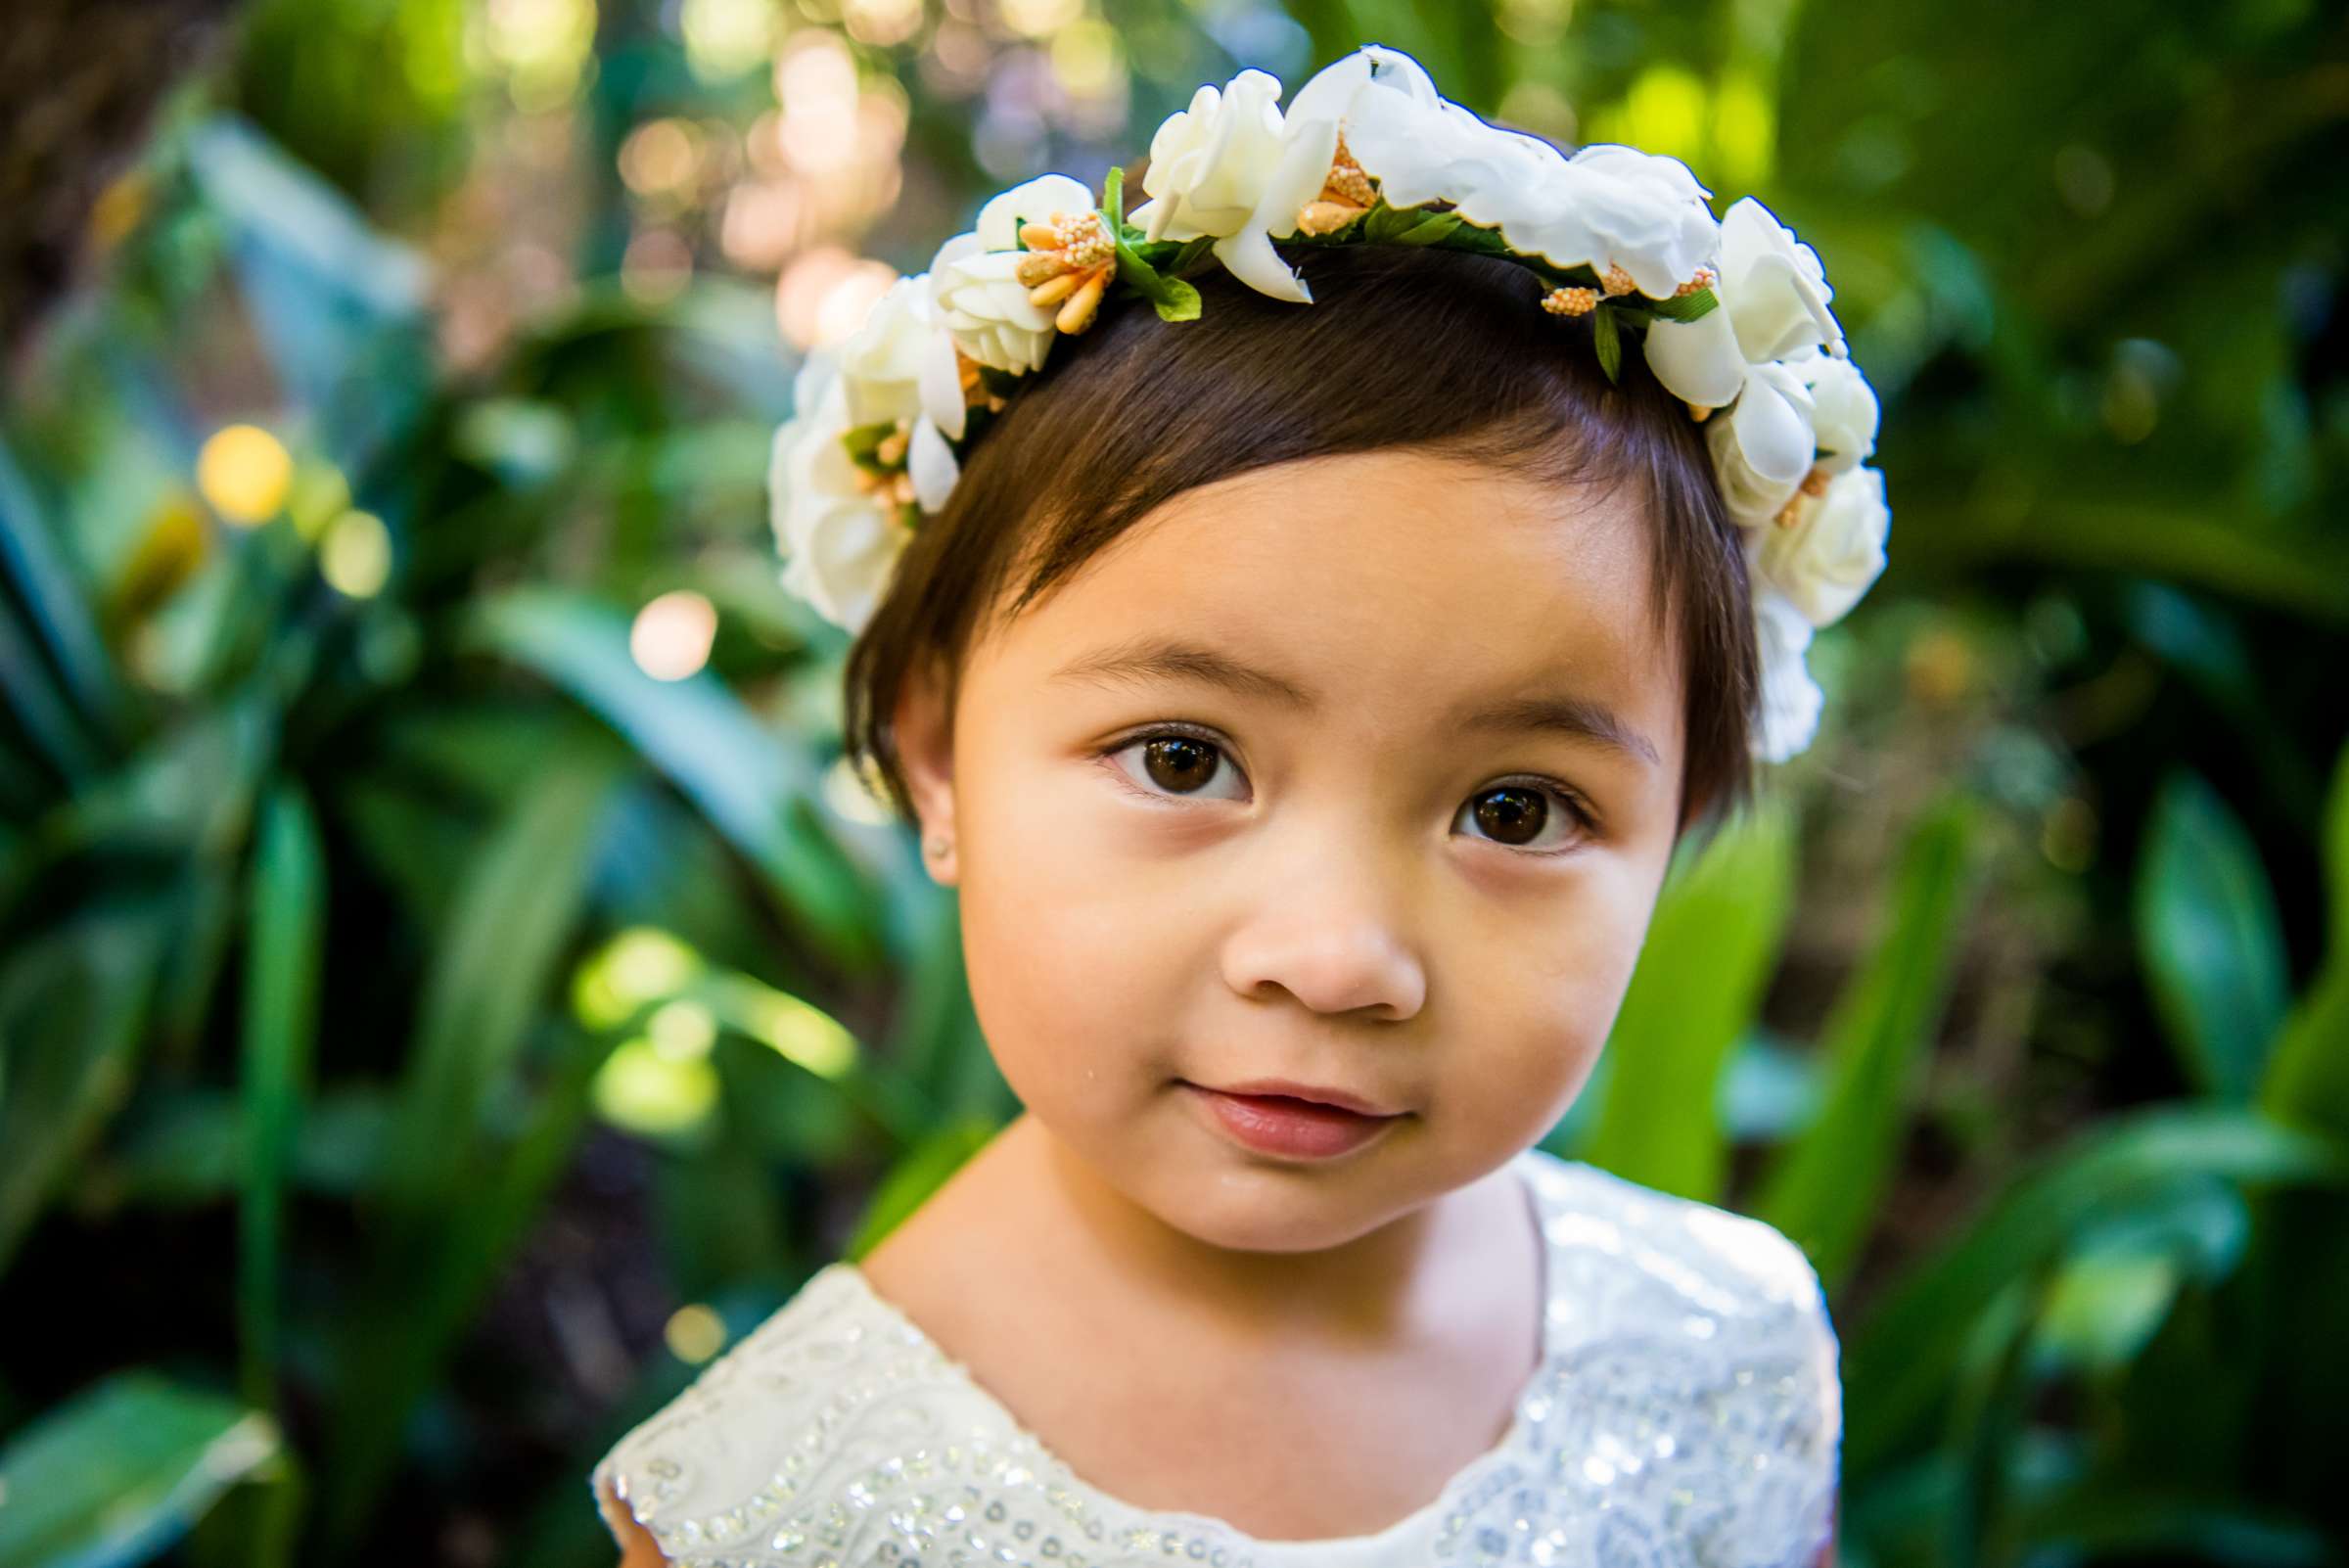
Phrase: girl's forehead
(1386, 577)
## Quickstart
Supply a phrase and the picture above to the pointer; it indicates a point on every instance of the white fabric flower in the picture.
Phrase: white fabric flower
(1607, 206)
(1774, 303)
(1762, 448)
(1781, 288)
(973, 288)
(1618, 161)
(1833, 553)
(986, 307)
(1615, 207)
(894, 367)
(1844, 410)
(1035, 201)
(1208, 162)
(881, 361)
(1790, 700)
(1234, 167)
(1423, 148)
(839, 543)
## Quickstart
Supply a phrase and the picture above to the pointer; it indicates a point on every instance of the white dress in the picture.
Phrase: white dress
(1687, 1411)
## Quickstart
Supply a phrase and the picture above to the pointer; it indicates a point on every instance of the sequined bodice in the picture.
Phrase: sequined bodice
(1686, 1411)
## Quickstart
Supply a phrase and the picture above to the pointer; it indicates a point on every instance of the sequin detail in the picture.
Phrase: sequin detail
(1687, 1414)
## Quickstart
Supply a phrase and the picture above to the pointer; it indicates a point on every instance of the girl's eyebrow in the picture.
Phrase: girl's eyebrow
(1159, 659)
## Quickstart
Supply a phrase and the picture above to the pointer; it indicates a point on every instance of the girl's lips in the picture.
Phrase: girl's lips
(1295, 1129)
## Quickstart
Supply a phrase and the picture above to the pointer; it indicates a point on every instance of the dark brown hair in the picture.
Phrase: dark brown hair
(1403, 347)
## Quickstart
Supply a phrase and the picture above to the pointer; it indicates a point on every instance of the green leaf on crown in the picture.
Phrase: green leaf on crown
(1685, 306)
(1164, 256)
(1175, 299)
(1609, 340)
(1113, 197)
(1473, 238)
(1383, 223)
(1187, 257)
(1181, 302)
(1430, 231)
(863, 440)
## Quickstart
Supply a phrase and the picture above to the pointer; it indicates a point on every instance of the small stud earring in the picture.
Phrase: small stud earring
(936, 847)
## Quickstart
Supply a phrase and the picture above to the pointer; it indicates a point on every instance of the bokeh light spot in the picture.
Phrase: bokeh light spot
(1088, 58)
(728, 38)
(355, 556)
(694, 1334)
(881, 23)
(1039, 18)
(659, 157)
(642, 1091)
(244, 473)
(672, 635)
(634, 969)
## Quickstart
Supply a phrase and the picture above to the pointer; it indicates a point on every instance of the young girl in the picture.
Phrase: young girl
(1305, 685)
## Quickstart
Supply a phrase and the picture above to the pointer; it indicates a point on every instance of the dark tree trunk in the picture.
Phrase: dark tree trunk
(79, 81)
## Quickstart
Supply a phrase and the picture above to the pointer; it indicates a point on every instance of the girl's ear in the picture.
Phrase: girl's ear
(923, 730)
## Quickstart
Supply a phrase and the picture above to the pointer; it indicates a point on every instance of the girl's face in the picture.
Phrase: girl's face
(1359, 772)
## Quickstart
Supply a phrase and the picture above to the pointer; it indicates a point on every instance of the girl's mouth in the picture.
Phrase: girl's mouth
(1276, 1123)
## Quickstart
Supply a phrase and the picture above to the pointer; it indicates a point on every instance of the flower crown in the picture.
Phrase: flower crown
(1731, 315)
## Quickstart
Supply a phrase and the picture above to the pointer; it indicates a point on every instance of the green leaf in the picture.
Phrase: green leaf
(56, 603)
(398, 1342)
(763, 792)
(454, 1173)
(49, 723)
(2107, 1517)
(1431, 230)
(1915, 1334)
(1685, 306)
(117, 1473)
(493, 972)
(2307, 1081)
(2209, 937)
(1607, 338)
(1475, 239)
(2108, 1298)
(1113, 197)
(1384, 223)
(1175, 299)
(280, 1020)
(73, 1005)
(1825, 1189)
(1181, 302)
(2102, 1307)
(1710, 951)
(863, 440)
(1188, 255)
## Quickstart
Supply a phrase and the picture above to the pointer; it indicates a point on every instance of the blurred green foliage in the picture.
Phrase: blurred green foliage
(408, 1003)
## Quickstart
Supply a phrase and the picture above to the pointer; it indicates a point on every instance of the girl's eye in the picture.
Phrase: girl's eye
(1517, 814)
(1174, 762)
(1179, 763)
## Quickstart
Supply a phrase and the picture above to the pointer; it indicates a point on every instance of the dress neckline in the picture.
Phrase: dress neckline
(1317, 1549)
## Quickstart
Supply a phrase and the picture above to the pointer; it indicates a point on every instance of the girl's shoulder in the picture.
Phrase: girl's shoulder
(1662, 1297)
(1714, 1254)
(761, 1427)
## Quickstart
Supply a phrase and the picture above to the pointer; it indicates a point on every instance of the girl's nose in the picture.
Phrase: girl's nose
(1333, 931)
